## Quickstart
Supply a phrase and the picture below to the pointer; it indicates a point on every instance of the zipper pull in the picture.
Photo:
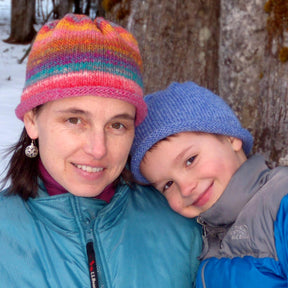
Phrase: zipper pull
(92, 265)
(205, 246)
(203, 224)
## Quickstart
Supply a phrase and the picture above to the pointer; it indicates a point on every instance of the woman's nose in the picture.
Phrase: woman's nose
(96, 144)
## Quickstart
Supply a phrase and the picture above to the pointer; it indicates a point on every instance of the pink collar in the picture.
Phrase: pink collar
(54, 188)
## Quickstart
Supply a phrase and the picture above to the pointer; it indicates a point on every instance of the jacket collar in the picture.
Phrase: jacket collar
(65, 212)
(243, 185)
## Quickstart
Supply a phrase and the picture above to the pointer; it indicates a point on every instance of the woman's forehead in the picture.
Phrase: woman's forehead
(90, 105)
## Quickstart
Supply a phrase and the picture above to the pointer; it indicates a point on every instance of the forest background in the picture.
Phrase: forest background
(238, 49)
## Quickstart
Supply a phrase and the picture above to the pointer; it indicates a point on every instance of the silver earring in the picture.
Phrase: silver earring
(31, 151)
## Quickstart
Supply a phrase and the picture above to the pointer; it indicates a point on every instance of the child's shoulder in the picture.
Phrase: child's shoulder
(280, 173)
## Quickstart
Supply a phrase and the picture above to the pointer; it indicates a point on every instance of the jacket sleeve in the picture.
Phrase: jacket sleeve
(281, 234)
(249, 271)
(240, 272)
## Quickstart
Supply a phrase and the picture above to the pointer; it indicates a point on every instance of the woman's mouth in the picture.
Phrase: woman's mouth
(89, 169)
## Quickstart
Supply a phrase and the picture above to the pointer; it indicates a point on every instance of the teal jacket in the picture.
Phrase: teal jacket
(138, 241)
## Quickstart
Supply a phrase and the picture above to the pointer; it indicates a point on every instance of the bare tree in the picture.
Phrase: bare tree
(62, 7)
(253, 78)
(238, 49)
(22, 20)
(178, 39)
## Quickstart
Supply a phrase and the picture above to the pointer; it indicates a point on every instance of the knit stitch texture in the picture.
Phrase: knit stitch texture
(76, 56)
(180, 108)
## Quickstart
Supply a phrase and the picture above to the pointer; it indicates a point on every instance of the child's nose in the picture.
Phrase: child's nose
(187, 187)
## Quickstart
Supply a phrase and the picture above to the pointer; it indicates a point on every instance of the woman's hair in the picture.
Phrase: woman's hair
(21, 170)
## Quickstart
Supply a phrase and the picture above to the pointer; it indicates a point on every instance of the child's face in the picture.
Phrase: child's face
(192, 170)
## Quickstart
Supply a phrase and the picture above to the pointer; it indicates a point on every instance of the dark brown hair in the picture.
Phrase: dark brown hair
(21, 170)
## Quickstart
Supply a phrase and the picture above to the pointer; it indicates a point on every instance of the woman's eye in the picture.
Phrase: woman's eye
(74, 120)
(117, 125)
(190, 161)
(167, 186)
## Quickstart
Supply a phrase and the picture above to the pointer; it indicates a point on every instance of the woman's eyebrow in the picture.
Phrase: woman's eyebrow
(73, 111)
(124, 116)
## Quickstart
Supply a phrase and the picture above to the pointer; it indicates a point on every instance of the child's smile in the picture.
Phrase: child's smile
(192, 169)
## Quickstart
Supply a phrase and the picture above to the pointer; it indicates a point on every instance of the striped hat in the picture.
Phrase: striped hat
(76, 56)
(184, 107)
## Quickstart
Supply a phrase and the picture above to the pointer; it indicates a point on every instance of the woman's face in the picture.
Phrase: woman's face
(84, 141)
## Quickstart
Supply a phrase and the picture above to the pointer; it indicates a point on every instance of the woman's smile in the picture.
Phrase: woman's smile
(89, 169)
(93, 136)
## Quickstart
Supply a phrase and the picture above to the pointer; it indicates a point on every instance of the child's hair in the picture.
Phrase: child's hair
(184, 107)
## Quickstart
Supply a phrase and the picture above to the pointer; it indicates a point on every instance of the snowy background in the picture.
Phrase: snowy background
(12, 78)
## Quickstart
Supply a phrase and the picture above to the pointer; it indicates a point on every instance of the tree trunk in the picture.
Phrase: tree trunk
(22, 20)
(178, 40)
(252, 78)
(237, 56)
(63, 7)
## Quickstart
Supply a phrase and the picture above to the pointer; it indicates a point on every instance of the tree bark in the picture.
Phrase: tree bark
(252, 79)
(178, 40)
(222, 45)
(22, 20)
(225, 46)
(62, 7)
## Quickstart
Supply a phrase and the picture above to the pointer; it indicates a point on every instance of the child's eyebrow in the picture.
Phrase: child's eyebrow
(181, 154)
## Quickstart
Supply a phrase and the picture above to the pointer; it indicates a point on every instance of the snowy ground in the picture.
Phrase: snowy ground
(12, 77)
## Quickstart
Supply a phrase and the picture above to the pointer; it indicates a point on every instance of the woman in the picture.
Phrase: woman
(69, 218)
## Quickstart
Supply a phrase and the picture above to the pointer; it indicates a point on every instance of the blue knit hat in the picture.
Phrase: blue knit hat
(179, 108)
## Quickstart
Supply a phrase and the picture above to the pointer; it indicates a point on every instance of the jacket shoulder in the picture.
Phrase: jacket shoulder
(9, 204)
(148, 216)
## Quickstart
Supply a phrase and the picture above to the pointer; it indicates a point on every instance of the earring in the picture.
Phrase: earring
(31, 151)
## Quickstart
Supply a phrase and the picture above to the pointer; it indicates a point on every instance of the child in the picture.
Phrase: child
(193, 149)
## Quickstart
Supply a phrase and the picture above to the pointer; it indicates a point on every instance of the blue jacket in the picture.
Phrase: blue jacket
(246, 243)
(138, 241)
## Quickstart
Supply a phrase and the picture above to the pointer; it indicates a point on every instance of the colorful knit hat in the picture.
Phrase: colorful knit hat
(179, 108)
(76, 56)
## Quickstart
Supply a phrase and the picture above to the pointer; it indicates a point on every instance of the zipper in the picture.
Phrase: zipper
(91, 256)
(203, 225)
(203, 276)
(92, 265)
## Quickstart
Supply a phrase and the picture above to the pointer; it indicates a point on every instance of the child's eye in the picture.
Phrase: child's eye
(74, 120)
(167, 186)
(190, 160)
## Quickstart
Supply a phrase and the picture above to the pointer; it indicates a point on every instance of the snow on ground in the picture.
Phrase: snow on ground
(12, 78)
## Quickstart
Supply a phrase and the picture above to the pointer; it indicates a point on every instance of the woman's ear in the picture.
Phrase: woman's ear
(30, 124)
(236, 143)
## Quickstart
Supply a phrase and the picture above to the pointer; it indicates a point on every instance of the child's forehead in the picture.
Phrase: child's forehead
(184, 134)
